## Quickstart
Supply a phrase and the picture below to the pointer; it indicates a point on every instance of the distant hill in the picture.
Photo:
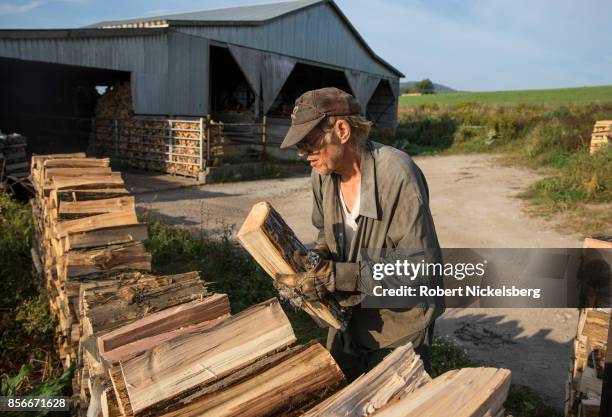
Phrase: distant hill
(438, 88)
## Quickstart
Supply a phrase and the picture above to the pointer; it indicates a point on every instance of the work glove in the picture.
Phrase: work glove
(316, 282)
(322, 250)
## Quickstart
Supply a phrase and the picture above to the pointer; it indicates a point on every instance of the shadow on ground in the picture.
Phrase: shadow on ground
(537, 358)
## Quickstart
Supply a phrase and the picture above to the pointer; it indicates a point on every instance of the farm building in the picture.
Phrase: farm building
(241, 67)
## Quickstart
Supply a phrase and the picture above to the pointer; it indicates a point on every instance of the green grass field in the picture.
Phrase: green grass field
(560, 95)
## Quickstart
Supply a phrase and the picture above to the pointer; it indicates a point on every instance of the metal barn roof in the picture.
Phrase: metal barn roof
(258, 13)
(254, 15)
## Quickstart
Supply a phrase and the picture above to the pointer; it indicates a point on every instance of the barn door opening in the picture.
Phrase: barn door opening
(230, 92)
(382, 107)
(52, 104)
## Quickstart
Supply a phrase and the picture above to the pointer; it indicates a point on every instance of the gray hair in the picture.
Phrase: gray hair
(360, 127)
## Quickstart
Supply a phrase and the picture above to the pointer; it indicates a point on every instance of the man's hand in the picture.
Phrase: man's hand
(316, 282)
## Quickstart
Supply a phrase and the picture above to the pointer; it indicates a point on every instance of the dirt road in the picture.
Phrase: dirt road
(473, 204)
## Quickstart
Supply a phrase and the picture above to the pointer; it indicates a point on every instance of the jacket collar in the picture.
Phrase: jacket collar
(369, 202)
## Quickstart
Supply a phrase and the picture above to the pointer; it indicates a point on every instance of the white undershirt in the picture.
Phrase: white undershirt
(350, 219)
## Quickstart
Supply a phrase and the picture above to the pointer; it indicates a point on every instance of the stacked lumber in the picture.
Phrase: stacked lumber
(601, 136)
(124, 315)
(400, 373)
(13, 160)
(468, 392)
(595, 277)
(85, 227)
(166, 145)
(152, 144)
(116, 102)
(188, 356)
(272, 243)
(584, 385)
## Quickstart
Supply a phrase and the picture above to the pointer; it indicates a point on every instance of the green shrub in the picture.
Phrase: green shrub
(15, 259)
(549, 138)
(584, 179)
(223, 264)
(27, 329)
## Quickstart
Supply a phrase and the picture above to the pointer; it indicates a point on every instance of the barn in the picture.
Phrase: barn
(239, 67)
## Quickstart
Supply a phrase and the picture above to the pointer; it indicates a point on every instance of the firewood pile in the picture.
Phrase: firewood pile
(148, 345)
(584, 385)
(85, 228)
(116, 102)
(165, 145)
(601, 136)
(14, 164)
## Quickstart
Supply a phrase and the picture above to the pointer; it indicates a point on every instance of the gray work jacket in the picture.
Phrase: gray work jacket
(394, 213)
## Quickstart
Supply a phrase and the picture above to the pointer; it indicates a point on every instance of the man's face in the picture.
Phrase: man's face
(323, 150)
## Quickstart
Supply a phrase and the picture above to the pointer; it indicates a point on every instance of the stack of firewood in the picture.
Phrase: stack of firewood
(14, 164)
(116, 102)
(85, 228)
(114, 317)
(164, 346)
(149, 345)
(166, 145)
(602, 136)
(584, 385)
(194, 357)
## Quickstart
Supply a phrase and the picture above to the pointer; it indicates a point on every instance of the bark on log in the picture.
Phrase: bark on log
(267, 237)
(110, 306)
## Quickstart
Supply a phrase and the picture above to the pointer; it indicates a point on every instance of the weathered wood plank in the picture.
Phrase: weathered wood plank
(121, 218)
(173, 318)
(112, 180)
(75, 162)
(121, 394)
(108, 258)
(186, 362)
(110, 205)
(105, 236)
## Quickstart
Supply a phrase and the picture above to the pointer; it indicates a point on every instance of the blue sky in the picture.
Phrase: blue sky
(475, 45)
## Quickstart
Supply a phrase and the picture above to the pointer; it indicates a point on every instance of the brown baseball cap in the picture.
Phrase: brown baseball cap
(312, 106)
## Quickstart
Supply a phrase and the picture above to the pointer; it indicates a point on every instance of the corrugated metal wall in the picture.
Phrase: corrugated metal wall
(169, 71)
(316, 34)
(125, 53)
(188, 73)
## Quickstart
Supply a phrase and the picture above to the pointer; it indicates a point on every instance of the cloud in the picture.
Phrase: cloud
(6, 9)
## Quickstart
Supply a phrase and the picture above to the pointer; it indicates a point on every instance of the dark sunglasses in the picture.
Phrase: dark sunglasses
(312, 145)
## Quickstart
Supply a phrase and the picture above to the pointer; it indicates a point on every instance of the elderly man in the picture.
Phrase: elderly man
(366, 195)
